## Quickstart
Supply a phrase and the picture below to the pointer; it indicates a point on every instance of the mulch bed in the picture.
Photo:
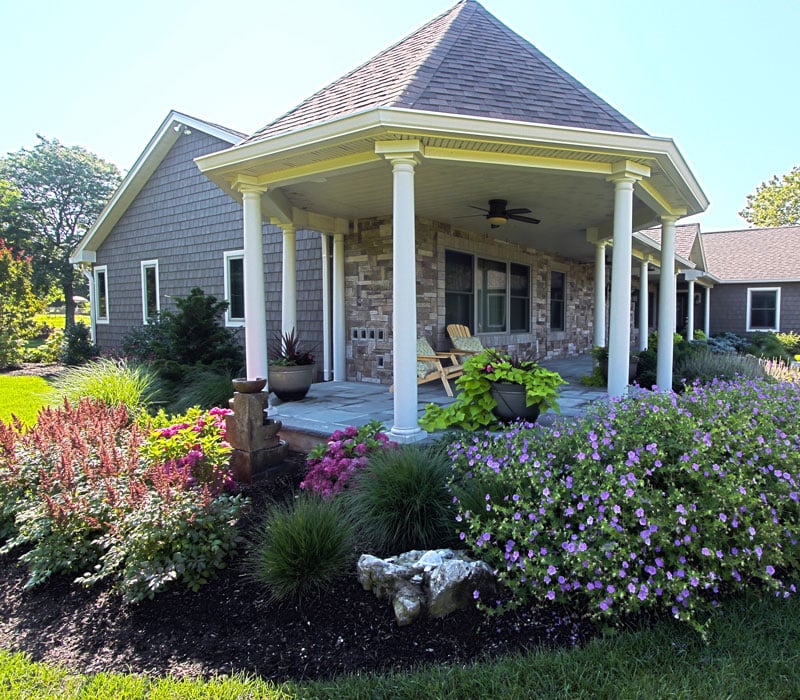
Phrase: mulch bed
(230, 625)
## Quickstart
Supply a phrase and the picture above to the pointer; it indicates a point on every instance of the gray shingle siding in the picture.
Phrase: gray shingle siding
(729, 306)
(184, 221)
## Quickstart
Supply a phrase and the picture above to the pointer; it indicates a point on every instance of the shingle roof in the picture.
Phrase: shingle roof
(754, 254)
(685, 237)
(464, 62)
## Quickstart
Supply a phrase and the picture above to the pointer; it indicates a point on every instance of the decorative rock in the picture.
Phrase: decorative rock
(440, 580)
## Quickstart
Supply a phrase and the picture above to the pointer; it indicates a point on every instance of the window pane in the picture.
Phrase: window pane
(491, 283)
(557, 297)
(459, 289)
(763, 309)
(102, 300)
(150, 295)
(236, 291)
(519, 303)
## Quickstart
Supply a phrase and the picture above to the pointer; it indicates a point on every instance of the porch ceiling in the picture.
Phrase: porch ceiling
(560, 174)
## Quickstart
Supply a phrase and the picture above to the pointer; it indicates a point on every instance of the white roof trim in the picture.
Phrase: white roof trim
(145, 165)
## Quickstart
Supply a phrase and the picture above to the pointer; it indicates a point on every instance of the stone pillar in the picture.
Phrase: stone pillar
(289, 281)
(644, 310)
(255, 313)
(666, 304)
(690, 311)
(339, 328)
(619, 336)
(600, 294)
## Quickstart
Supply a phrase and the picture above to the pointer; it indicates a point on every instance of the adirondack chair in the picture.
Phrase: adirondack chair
(430, 367)
(463, 341)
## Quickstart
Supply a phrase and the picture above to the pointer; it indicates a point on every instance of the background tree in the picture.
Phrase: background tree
(61, 190)
(775, 203)
(18, 304)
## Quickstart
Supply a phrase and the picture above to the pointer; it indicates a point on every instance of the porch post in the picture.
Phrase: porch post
(644, 310)
(404, 300)
(255, 312)
(619, 335)
(289, 280)
(708, 312)
(324, 241)
(690, 310)
(339, 371)
(600, 294)
(666, 304)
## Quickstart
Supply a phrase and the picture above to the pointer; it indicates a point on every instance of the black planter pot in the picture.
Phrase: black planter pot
(510, 400)
(291, 382)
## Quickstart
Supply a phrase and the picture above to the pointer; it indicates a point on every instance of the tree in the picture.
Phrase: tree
(61, 190)
(17, 304)
(775, 203)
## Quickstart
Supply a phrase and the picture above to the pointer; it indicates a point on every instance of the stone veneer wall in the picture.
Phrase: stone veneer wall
(368, 296)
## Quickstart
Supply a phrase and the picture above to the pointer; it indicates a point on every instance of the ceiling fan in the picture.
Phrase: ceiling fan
(497, 214)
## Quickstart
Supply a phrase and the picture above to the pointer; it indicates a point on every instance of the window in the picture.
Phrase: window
(150, 294)
(234, 287)
(763, 309)
(101, 294)
(558, 288)
(497, 292)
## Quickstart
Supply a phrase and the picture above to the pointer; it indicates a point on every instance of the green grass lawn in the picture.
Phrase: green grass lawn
(753, 652)
(57, 320)
(23, 397)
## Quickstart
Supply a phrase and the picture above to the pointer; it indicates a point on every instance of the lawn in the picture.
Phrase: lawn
(22, 397)
(58, 320)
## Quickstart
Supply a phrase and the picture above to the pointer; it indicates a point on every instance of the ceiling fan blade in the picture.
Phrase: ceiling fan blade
(470, 216)
(471, 206)
(518, 211)
(526, 219)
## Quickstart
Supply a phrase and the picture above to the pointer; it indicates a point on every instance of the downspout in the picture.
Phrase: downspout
(89, 275)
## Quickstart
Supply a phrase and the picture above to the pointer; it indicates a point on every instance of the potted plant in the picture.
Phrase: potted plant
(496, 386)
(291, 370)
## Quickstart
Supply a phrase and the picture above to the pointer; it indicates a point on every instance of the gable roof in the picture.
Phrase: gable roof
(466, 62)
(157, 148)
(754, 254)
(686, 238)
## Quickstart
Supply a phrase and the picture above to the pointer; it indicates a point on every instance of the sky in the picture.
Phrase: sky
(720, 77)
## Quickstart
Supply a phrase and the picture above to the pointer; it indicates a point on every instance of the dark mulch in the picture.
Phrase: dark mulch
(230, 626)
(34, 369)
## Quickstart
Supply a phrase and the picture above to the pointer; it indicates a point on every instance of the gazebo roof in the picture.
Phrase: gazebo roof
(463, 62)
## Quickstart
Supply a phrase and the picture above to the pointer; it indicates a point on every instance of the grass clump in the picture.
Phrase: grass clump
(302, 546)
(114, 382)
(401, 500)
(703, 366)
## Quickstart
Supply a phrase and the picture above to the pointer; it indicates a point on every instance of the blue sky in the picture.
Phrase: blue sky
(719, 77)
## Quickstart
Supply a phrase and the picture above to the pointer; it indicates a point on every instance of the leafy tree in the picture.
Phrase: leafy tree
(775, 203)
(17, 304)
(61, 190)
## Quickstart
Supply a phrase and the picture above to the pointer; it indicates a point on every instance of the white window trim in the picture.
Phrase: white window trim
(95, 305)
(144, 265)
(229, 255)
(777, 290)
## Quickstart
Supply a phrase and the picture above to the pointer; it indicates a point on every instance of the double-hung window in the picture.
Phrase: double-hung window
(763, 309)
(151, 306)
(558, 298)
(234, 287)
(100, 300)
(495, 294)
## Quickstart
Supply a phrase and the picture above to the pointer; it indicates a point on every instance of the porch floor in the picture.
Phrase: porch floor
(335, 405)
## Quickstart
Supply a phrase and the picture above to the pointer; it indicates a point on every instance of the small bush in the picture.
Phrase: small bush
(704, 366)
(77, 347)
(49, 351)
(401, 500)
(301, 547)
(115, 383)
(790, 342)
(727, 342)
(203, 387)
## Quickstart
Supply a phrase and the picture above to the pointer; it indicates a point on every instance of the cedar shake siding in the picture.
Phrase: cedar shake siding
(729, 306)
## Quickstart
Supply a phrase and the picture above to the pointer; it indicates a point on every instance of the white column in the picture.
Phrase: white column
(619, 332)
(404, 300)
(600, 294)
(339, 342)
(707, 318)
(326, 306)
(644, 319)
(690, 311)
(89, 275)
(289, 281)
(666, 304)
(255, 312)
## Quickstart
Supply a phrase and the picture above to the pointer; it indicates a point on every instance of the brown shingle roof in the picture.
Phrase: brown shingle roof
(754, 254)
(463, 62)
(685, 237)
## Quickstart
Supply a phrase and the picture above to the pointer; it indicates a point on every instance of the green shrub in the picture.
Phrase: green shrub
(203, 387)
(768, 345)
(302, 546)
(114, 382)
(77, 347)
(49, 351)
(704, 366)
(18, 305)
(149, 342)
(790, 342)
(401, 500)
(79, 496)
(665, 502)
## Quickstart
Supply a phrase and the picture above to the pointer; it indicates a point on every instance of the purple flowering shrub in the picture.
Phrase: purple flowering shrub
(332, 465)
(661, 501)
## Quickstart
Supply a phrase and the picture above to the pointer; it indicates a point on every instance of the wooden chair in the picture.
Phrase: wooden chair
(431, 369)
(463, 341)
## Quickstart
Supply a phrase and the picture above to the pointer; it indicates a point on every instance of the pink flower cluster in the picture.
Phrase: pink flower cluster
(331, 468)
